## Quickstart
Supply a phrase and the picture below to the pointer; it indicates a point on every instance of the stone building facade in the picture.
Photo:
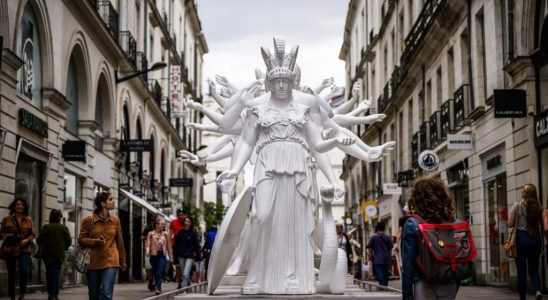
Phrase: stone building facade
(448, 75)
(73, 123)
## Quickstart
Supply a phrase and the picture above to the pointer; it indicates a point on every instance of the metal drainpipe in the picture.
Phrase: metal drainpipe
(470, 72)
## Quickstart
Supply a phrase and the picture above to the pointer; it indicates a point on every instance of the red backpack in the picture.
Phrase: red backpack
(446, 252)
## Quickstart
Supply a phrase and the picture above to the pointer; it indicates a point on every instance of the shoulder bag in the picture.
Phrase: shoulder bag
(82, 256)
(509, 246)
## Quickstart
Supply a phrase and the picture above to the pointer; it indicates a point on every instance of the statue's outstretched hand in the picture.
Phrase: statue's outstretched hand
(188, 156)
(212, 86)
(227, 181)
(328, 193)
(356, 89)
(327, 82)
(194, 105)
(249, 93)
(387, 147)
(364, 105)
(222, 80)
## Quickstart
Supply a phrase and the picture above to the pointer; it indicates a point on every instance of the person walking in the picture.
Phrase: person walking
(148, 266)
(17, 231)
(102, 232)
(431, 200)
(186, 249)
(526, 217)
(380, 246)
(158, 248)
(53, 241)
(174, 227)
(208, 246)
(344, 244)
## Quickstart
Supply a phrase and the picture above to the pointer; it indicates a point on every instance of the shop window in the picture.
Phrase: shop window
(30, 75)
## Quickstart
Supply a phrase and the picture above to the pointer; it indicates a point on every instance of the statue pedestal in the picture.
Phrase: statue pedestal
(230, 288)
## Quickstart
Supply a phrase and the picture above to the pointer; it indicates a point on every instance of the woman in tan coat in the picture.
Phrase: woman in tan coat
(102, 233)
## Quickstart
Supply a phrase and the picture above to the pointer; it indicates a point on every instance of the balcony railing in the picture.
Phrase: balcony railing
(109, 16)
(165, 106)
(415, 149)
(419, 29)
(461, 106)
(141, 63)
(129, 45)
(93, 3)
(446, 118)
(435, 128)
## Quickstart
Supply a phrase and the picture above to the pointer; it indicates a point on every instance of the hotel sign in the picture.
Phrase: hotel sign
(33, 123)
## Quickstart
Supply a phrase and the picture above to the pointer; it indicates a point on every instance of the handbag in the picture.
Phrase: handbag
(82, 256)
(509, 246)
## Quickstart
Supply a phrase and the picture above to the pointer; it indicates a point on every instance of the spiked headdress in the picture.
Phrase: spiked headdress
(279, 64)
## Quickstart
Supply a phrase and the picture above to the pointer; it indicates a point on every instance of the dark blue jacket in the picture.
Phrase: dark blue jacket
(381, 245)
(409, 250)
(186, 244)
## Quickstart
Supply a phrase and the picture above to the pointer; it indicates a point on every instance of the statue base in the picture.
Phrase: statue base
(230, 288)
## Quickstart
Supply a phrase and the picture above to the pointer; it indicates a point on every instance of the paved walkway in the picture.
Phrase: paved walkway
(132, 291)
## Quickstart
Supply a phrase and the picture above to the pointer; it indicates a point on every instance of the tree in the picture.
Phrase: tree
(213, 214)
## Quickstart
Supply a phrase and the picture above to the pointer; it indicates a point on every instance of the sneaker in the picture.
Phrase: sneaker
(157, 292)
(538, 295)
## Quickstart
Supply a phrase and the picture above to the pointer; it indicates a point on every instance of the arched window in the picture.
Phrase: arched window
(30, 75)
(71, 94)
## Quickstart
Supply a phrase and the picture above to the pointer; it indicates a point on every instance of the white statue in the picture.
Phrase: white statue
(287, 127)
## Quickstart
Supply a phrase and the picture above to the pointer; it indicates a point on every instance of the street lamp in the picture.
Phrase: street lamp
(155, 67)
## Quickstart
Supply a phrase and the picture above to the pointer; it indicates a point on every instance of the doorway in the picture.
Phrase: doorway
(497, 230)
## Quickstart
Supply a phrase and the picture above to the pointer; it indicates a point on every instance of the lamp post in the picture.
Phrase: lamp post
(155, 67)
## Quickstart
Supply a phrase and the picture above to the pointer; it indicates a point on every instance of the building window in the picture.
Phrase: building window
(30, 75)
(71, 94)
(481, 75)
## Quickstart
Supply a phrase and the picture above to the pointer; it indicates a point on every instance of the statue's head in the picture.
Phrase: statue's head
(280, 68)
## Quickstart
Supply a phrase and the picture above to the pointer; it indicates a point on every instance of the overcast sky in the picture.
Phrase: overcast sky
(236, 29)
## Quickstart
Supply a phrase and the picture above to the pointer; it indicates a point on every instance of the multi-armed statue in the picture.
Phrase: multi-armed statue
(285, 129)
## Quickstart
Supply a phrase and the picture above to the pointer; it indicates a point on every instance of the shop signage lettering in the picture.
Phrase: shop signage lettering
(494, 162)
(181, 182)
(33, 123)
(510, 103)
(74, 151)
(391, 189)
(541, 128)
(136, 145)
(459, 141)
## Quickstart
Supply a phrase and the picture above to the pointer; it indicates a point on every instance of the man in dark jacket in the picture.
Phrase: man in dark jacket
(380, 247)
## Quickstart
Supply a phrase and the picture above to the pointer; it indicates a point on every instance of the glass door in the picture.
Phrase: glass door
(497, 230)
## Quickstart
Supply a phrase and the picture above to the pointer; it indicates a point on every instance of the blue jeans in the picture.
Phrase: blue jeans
(101, 283)
(529, 248)
(186, 265)
(53, 272)
(158, 263)
(381, 272)
(23, 259)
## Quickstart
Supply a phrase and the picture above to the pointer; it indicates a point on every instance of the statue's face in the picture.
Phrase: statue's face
(281, 87)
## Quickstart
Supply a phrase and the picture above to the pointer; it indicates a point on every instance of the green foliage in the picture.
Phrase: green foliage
(213, 214)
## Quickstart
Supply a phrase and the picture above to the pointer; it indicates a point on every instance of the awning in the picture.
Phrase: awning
(144, 204)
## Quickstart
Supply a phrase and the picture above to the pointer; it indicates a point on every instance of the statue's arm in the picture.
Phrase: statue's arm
(345, 107)
(219, 144)
(322, 159)
(213, 92)
(323, 85)
(213, 116)
(319, 145)
(235, 106)
(347, 120)
(225, 152)
(245, 144)
(204, 127)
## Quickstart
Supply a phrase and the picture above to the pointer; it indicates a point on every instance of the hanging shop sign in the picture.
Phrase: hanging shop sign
(181, 182)
(428, 160)
(541, 129)
(370, 210)
(510, 103)
(459, 141)
(391, 189)
(74, 151)
(136, 145)
(33, 123)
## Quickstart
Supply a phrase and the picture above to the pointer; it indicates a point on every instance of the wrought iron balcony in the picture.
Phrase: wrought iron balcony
(419, 29)
(461, 106)
(415, 149)
(141, 63)
(446, 118)
(109, 16)
(129, 45)
(435, 129)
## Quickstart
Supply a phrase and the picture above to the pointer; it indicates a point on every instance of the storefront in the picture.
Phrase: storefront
(457, 178)
(496, 209)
